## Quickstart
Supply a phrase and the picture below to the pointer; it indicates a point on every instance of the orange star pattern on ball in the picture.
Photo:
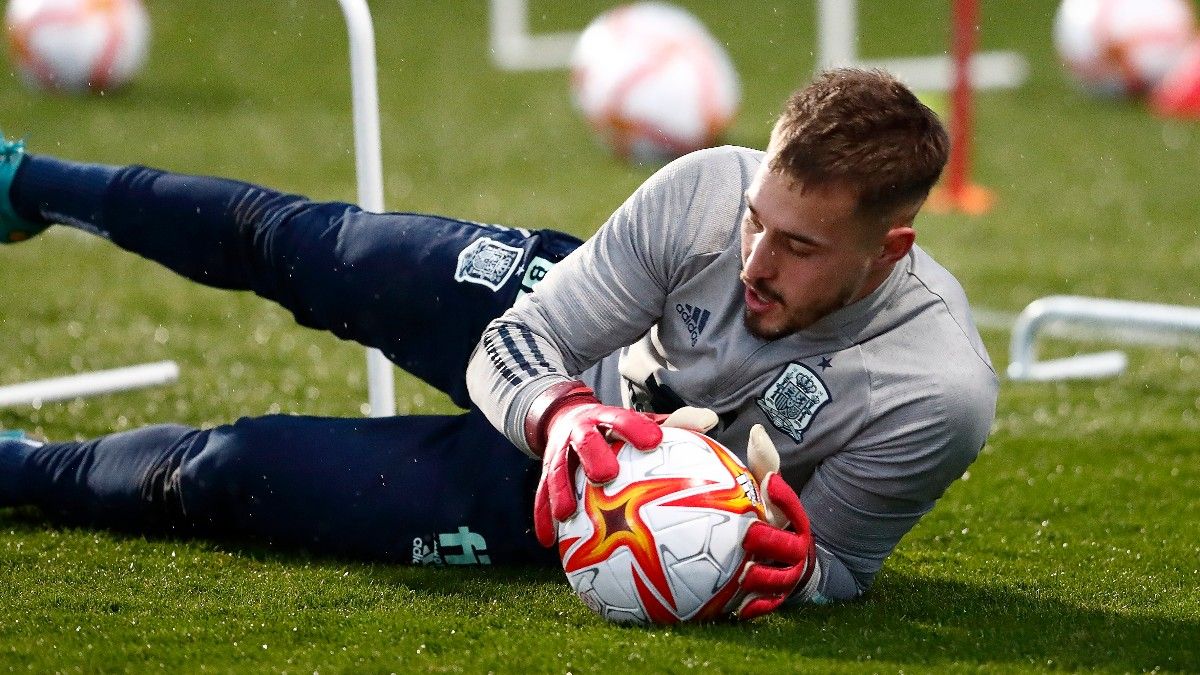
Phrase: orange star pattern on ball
(618, 523)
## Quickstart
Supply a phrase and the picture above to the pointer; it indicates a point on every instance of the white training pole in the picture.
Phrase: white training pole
(368, 162)
(89, 384)
(1105, 313)
(837, 33)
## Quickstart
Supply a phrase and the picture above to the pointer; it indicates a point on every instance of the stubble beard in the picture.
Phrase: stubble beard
(754, 327)
(792, 323)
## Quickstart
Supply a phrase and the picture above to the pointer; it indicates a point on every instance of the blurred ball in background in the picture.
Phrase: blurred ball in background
(652, 82)
(1121, 47)
(77, 46)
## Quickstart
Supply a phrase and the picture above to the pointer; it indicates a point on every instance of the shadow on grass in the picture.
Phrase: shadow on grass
(907, 620)
(447, 581)
(912, 619)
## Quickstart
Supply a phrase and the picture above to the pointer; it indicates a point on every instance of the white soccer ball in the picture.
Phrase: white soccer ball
(663, 542)
(77, 46)
(1121, 47)
(652, 82)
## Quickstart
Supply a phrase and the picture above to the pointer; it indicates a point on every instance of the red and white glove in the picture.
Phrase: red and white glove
(783, 559)
(568, 426)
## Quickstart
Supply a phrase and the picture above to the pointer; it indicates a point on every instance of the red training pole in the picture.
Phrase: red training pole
(957, 192)
(965, 13)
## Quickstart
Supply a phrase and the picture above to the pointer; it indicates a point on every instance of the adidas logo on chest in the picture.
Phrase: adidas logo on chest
(694, 318)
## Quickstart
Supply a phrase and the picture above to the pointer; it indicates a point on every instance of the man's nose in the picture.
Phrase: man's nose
(760, 263)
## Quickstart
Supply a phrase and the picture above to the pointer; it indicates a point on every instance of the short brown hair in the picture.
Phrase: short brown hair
(865, 129)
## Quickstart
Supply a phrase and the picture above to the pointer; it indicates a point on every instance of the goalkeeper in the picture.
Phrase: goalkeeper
(779, 290)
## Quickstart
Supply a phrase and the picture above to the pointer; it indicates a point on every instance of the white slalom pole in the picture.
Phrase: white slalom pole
(368, 162)
(837, 33)
(89, 384)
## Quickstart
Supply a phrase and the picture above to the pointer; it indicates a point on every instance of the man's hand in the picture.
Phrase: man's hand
(568, 425)
(784, 559)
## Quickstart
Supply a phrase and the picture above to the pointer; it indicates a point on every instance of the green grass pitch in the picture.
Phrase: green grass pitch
(1073, 544)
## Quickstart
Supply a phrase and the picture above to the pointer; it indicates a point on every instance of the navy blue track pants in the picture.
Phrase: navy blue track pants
(421, 288)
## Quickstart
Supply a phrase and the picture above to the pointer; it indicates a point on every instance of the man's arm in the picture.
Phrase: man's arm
(602, 297)
(864, 499)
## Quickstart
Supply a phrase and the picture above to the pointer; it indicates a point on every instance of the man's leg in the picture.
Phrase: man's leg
(420, 288)
(103, 480)
(436, 489)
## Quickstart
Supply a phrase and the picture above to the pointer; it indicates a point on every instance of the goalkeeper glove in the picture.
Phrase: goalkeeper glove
(568, 426)
(783, 560)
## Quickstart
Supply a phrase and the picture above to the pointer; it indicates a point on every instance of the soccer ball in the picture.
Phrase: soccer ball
(663, 542)
(652, 82)
(1121, 47)
(76, 46)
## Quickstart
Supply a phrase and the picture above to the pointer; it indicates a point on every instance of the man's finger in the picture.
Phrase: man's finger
(561, 487)
(784, 500)
(699, 420)
(543, 523)
(757, 606)
(639, 430)
(596, 456)
(771, 543)
(769, 580)
(761, 455)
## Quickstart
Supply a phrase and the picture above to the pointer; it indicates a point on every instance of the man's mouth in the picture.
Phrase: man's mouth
(758, 301)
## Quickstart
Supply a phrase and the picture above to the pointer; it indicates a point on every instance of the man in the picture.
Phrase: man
(780, 290)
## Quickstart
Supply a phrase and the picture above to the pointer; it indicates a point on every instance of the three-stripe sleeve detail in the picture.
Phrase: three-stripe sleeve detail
(515, 354)
(534, 350)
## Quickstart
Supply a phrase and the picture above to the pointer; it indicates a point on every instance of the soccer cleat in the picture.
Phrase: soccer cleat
(13, 227)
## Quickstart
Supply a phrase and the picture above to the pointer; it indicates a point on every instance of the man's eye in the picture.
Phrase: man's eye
(799, 249)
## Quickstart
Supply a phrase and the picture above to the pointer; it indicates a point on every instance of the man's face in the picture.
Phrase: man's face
(804, 253)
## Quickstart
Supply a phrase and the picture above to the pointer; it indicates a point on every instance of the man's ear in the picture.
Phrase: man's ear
(897, 243)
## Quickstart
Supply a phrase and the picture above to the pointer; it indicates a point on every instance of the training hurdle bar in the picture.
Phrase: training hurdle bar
(837, 45)
(1102, 314)
(514, 47)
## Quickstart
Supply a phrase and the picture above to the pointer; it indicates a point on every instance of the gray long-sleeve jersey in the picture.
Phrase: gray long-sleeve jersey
(875, 409)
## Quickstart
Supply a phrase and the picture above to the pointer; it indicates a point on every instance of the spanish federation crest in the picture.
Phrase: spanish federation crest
(487, 262)
(794, 399)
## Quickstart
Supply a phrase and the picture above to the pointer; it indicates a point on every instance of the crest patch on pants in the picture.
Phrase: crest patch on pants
(792, 401)
(487, 262)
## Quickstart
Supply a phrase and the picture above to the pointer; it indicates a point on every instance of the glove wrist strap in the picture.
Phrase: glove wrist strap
(811, 579)
(549, 403)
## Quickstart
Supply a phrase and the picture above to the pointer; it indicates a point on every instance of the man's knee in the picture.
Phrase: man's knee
(214, 477)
